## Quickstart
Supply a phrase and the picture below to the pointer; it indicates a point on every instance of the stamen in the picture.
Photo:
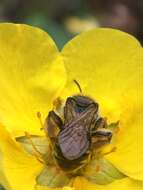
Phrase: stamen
(40, 119)
(98, 168)
(57, 104)
(37, 154)
(110, 151)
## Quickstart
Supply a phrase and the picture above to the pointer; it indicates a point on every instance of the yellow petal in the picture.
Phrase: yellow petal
(128, 155)
(122, 184)
(46, 188)
(31, 76)
(104, 67)
(18, 169)
(108, 64)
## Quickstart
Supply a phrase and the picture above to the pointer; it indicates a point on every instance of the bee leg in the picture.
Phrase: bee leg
(101, 137)
(101, 123)
(53, 124)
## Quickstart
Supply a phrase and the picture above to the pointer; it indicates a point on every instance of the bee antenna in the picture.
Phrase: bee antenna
(78, 85)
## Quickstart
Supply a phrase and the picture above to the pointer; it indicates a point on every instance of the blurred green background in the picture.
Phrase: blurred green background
(63, 19)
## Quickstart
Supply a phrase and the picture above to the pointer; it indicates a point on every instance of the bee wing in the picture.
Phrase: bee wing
(73, 140)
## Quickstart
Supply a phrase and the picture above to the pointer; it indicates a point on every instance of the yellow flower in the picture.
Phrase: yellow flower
(108, 65)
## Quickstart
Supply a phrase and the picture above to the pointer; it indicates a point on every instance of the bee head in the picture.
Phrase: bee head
(82, 102)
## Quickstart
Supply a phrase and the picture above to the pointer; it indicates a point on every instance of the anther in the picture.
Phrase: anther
(98, 168)
(57, 104)
(40, 119)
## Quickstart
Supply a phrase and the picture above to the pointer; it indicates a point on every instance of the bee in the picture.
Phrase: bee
(79, 132)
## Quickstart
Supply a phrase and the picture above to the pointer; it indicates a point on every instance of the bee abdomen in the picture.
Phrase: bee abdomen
(73, 142)
(70, 165)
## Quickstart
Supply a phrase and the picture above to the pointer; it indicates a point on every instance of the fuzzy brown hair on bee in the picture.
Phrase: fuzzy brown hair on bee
(80, 131)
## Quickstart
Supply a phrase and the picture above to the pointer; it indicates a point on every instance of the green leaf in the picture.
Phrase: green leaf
(53, 177)
(1, 187)
(102, 172)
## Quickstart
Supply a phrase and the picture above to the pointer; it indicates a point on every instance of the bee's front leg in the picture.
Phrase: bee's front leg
(101, 137)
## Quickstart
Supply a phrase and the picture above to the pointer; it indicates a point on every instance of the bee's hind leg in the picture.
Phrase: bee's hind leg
(101, 137)
(101, 123)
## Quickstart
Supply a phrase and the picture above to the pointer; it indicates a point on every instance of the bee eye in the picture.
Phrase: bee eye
(79, 109)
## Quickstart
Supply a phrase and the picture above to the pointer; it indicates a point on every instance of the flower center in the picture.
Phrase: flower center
(76, 135)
